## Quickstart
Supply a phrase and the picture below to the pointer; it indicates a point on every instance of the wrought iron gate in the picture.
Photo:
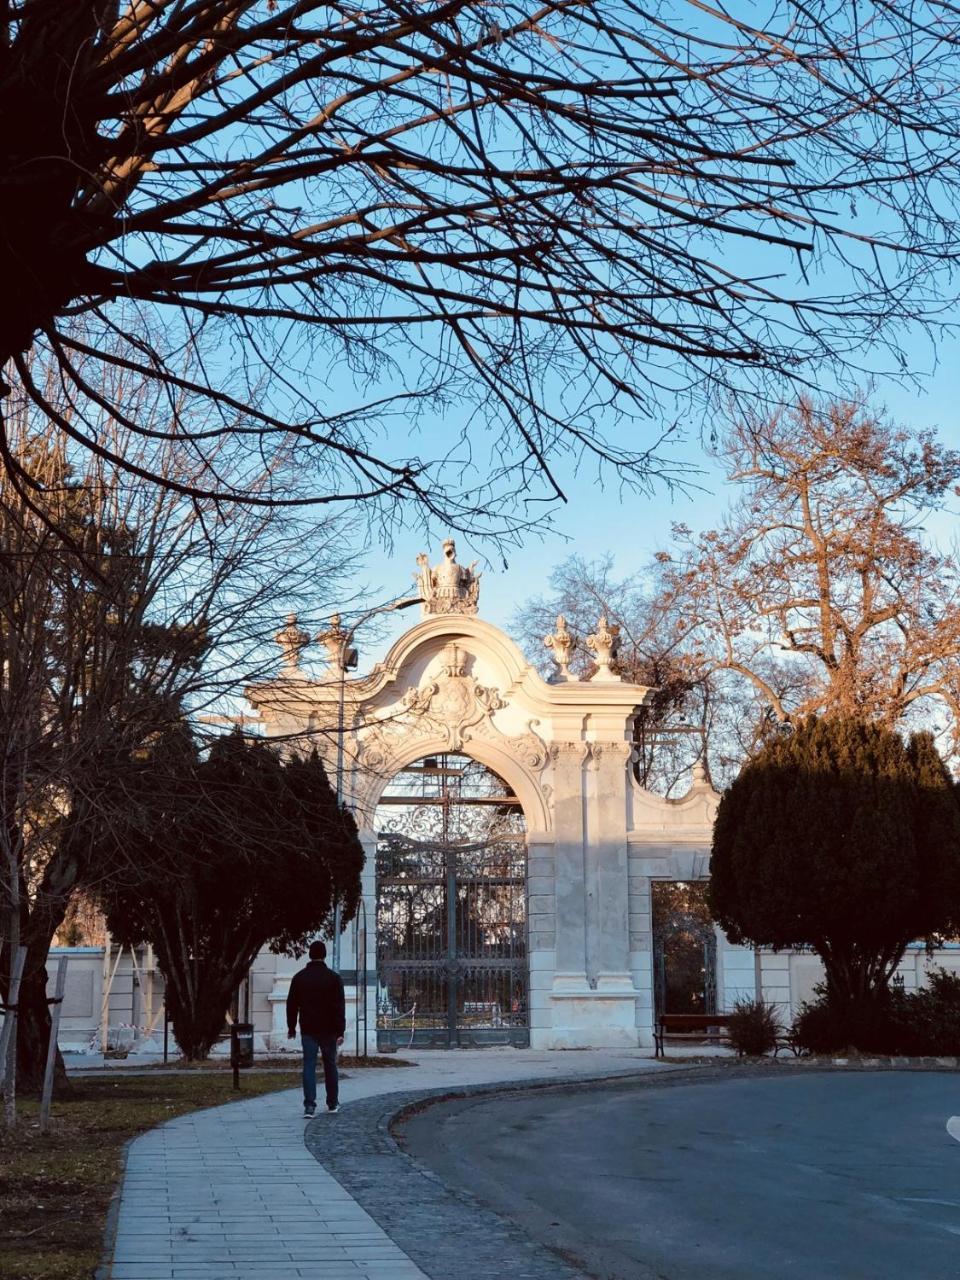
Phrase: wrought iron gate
(451, 908)
(684, 948)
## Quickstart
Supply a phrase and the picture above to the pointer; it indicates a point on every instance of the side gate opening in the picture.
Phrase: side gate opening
(451, 908)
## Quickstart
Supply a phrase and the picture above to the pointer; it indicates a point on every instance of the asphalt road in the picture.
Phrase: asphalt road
(824, 1176)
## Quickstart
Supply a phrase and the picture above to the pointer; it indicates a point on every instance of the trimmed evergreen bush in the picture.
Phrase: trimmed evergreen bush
(831, 1025)
(933, 1016)
(842, 838)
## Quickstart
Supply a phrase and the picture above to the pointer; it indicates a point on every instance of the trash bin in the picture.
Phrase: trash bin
(241, 1044)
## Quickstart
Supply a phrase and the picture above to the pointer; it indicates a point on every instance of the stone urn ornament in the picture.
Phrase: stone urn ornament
(291, 640)
(561, 644)
(603, 645)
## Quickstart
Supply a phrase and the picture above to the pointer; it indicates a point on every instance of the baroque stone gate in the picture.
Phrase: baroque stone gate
(570, 922)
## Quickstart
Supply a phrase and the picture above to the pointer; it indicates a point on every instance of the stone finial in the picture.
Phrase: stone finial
(291, 641)
(603, 644)
(561, 644)
(334, 640)
(447, 587)
(700, 777)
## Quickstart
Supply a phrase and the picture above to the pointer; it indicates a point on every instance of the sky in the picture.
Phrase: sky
(599, 518)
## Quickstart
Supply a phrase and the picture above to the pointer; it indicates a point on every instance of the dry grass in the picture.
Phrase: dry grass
(56, 1188)
(285, 1062)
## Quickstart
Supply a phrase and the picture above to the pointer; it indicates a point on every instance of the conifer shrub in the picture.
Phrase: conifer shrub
(237, 848)
(833, 1026)
(923, 1023)
(842, 838)
(932, 1016)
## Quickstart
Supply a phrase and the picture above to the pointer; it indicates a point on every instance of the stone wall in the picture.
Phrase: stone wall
(785, 979)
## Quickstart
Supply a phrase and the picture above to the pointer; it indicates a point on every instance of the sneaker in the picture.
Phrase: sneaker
(331, 1110)
(309, 1109)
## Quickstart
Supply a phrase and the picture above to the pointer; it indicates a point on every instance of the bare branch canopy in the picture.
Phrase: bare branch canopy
(539, 222)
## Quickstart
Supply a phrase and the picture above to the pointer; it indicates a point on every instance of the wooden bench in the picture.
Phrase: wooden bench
(709, 1028)
(788, 1040)
(705, 1027)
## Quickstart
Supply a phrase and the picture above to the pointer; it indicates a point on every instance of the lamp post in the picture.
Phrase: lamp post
(337, 640)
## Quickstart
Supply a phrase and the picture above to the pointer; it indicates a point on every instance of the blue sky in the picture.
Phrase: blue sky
(599, 517)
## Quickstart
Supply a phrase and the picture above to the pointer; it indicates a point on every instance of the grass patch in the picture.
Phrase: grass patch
(56, 1188)
(282, 1062)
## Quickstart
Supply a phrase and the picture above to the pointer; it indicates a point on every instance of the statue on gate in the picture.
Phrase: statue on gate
(447, 587)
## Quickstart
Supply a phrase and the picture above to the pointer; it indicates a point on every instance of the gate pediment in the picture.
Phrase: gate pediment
(449, 710)
(452, 682)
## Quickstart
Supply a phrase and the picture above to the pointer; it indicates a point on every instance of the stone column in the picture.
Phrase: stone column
(568, 760)
(607, 875)
(592, 994)
(366, 976)
(287, 966)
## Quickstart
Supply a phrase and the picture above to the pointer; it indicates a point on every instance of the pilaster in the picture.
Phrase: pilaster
(568, 760)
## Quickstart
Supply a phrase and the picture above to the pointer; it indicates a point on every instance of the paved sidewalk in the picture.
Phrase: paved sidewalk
(233, 1194)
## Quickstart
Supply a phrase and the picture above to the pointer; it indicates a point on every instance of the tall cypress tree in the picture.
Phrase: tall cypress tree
(842, 838)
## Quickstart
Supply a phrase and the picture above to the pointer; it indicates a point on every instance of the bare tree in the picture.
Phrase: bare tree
(153, 609)
(535, 220)
(824, 563)
(674, 726)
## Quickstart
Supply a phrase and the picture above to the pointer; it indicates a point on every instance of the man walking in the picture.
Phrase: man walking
(316, 996)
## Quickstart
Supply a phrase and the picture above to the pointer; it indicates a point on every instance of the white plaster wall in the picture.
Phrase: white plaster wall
(736, 973)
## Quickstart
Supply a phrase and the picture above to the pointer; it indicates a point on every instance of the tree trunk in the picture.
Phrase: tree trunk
(38, 927)
(857, 978)
(33, 1029)
(199, 990)
(197, 1005)
(198, 1027)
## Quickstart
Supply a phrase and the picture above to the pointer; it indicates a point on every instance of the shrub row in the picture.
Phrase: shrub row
(919, 1023)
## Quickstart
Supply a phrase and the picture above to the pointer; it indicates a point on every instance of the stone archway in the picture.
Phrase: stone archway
(451, 907)
(453, 684)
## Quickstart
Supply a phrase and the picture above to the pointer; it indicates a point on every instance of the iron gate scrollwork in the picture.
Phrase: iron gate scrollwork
(451, 908)
(684, 948)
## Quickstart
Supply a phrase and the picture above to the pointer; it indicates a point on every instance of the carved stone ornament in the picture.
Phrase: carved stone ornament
(573, 753)
(291, 641)
(334, 640)
(447, 587)
(453, 707)
(561, 644)
(529, 748)
(620, 753)
(700, 777)
(603, 644)
(454, 701)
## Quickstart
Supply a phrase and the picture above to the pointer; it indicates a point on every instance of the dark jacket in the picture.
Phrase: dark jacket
(316, 995)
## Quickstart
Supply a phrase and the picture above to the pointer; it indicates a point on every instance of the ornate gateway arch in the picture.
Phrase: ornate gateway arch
(506, 898)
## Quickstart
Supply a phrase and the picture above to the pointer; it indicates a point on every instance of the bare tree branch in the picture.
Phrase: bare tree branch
(537, 223)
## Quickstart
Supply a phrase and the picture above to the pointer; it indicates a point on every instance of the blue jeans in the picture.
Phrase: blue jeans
(326, 1046)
